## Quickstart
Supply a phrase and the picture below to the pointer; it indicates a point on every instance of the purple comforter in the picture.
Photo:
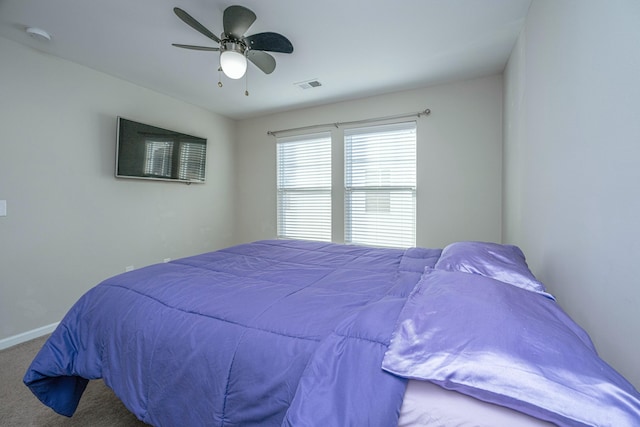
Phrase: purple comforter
(297, 333)
(268, 333)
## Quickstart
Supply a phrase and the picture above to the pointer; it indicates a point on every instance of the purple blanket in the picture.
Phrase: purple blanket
(240, 336)
(297, 333)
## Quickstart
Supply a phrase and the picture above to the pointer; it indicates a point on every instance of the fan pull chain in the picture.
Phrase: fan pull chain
(219, 77)
(246, 83)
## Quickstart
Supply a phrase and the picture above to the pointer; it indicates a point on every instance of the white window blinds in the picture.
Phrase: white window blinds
(380, 185)
(304, 187)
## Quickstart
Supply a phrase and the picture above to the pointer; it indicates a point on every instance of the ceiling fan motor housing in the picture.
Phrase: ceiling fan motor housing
(238, 46)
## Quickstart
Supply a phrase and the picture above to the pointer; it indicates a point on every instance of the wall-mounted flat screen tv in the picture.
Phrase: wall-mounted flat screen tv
(150, 152)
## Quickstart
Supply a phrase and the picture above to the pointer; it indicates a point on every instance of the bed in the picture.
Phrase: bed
(300, 333)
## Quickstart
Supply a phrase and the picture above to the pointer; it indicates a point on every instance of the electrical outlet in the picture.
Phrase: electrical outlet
(129, 268)
(167, 259)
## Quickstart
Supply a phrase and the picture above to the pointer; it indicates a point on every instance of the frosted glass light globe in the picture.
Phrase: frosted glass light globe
(233, 64)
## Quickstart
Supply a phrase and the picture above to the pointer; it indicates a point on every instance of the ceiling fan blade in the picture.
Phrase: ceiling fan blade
(262, 60)
(272, 42)
(188, 46)
(190, 20)
(237, 20)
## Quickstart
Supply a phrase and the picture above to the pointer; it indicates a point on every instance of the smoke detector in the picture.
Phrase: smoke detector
(38, 33)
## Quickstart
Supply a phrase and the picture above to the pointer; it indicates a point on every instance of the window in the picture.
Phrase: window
(380, 185)
(304, 187)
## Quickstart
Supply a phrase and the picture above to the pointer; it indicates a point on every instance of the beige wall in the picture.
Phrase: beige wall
(572, 181)
(459, 160)
(70, 223)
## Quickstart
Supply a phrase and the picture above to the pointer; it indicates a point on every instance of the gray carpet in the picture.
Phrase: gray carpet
(99, 406)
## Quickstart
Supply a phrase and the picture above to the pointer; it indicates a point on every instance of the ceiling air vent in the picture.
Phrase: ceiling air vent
(308, 84)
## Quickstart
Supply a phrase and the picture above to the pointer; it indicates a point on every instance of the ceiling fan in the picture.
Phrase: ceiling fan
(235, 48)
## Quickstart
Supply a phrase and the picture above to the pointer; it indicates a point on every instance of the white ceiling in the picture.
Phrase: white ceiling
(355, 48)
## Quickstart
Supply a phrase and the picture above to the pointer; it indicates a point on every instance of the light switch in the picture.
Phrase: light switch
(3, 208)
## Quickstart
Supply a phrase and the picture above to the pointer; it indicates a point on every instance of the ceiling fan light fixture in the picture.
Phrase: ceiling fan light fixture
(232, 60)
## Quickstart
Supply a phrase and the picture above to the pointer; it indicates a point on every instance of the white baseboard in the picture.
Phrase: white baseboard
(27, 336)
